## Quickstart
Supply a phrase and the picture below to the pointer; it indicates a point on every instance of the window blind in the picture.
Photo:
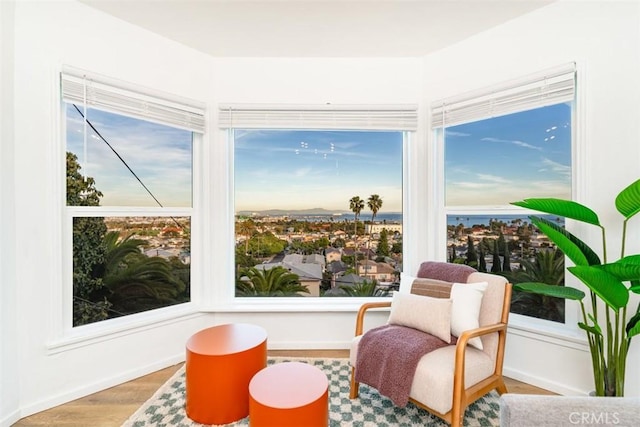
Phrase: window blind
(552, 86)
(115, 96)
(381, 117)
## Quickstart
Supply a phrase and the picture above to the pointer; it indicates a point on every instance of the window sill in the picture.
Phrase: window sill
(86, 335)
(551, 332)
(292, 305)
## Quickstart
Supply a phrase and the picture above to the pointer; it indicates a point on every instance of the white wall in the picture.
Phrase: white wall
(48, 35)
(603, 37)
(9, 378)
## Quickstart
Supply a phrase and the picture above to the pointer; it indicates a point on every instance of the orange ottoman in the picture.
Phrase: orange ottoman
(289, 394)
(220, 362)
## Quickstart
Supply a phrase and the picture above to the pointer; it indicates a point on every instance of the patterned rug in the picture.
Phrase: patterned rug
(370, 409)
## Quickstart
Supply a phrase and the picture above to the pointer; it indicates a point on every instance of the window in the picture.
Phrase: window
(129, 197)
(499, 146)
(318, 210)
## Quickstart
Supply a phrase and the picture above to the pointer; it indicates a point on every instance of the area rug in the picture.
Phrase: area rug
(370, 409)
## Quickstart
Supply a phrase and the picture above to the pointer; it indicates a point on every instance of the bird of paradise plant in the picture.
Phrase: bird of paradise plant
(608, 332)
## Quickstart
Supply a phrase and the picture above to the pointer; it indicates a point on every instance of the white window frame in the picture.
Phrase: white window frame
(170, 110)
(555, 93)
(315, 117)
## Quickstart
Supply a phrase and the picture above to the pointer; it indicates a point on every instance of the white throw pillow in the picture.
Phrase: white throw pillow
(465, 309)
(430, 315)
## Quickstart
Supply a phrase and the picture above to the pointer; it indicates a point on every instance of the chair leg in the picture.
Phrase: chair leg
(501, 388)
(355, 386)
(457, 413)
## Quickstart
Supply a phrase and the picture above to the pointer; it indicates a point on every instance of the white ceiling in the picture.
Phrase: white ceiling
(317, 28)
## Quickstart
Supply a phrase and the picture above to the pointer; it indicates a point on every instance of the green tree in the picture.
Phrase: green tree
(136, 281)
(356, 204)
(506, 257)
(374, 202)
(366, 288)
(482, 265)
(274, 282)
(495, 267)
(89, 299)
(383, 244)
(547, 267)
(245, 228)
(472, 256)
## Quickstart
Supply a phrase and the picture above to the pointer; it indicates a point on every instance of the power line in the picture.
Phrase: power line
(123, 161)
(118, 155)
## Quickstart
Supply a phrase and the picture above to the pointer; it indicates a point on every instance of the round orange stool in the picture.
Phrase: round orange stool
(289, 394)
(220, 362)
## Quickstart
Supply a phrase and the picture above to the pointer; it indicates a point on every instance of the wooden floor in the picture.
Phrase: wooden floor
(112, 407)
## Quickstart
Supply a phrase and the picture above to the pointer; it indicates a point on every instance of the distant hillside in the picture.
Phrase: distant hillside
(283, 212)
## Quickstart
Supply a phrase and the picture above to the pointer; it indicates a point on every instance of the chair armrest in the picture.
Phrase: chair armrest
(478, 332)
(461, 346)
(363, 309)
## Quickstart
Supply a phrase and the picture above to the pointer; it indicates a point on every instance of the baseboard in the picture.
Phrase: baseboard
(544, 383)
(104, 384)
(10, 419)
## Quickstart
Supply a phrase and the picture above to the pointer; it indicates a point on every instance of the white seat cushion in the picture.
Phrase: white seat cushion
(433, 381)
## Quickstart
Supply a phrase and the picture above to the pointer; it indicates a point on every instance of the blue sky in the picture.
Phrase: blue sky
(488, 162)
(293, 169)
(509, 158)
(161, 156)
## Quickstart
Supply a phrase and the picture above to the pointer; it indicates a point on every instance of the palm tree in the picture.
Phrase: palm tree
(374, 202)
(547, 267)
(246, 228)
(356, 204)
(276, 281)
(136, 281)
(365, 288)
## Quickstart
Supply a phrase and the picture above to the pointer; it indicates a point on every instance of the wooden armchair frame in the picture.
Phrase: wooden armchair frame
(461, 397)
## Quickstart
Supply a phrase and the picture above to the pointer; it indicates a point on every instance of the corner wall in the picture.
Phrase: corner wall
(9, 355)
(603, 38)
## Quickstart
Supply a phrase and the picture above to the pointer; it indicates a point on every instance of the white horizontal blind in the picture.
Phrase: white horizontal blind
(379, 117)
(111, 95)
(549, 87)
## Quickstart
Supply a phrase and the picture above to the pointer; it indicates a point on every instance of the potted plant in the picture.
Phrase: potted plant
(608, 331)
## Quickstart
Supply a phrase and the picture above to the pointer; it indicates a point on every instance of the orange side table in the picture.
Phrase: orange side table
(289, 394)
(220, 362)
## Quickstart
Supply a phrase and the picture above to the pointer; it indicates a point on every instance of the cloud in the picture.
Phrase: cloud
(556, 167)
(454, 133)
(493, 178)
(514, 142)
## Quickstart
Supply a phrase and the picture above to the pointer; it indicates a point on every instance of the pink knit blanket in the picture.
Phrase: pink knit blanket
(388, 357)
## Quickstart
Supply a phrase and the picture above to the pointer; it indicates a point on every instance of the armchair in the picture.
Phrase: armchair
(450, 378)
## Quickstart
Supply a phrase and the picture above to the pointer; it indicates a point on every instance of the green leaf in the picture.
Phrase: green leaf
(593, 329)
(575, 249)
(624, 272)
(633, 327)
(550, 290)
(635, 289)
(561, 207)
(607, 286)
(628, 200)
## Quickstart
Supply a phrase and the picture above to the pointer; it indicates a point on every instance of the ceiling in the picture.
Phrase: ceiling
(316, 28)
